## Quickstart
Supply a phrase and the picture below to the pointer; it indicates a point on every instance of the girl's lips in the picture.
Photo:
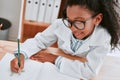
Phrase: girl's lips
(78, 35)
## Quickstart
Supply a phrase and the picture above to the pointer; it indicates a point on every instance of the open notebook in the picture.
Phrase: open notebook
(33, 70)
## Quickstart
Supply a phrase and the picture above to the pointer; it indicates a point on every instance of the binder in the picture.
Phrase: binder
(49, 9)
(35, 10)
(119, 2)
(56, 9)
(41, 11)
(28, 10)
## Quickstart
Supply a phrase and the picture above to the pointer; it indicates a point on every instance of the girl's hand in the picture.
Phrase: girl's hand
(44, 57)
(14, 64)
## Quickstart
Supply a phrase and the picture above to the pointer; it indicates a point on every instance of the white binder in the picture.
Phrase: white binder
(49, 10)
(28, 10)
(56, 9)
(119, 2)
(35, 10)
(41, 12)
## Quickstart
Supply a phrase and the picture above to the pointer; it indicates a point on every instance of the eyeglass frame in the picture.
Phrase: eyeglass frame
(72, 22)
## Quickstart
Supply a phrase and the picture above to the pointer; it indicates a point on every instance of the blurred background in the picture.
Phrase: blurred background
(10, 10)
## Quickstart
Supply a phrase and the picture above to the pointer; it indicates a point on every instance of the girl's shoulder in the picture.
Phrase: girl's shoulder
(58, 21)
(100, 36)
(100, 29)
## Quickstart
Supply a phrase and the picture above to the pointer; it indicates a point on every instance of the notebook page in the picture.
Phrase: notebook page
(31, 69)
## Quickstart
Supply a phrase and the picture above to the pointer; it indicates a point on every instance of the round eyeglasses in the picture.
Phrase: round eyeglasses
(77, 24)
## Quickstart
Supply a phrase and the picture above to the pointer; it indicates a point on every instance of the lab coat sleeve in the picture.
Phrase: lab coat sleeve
(40, 41)
(85, 70)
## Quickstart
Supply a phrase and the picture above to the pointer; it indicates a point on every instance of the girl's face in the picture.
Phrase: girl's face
(79, 14)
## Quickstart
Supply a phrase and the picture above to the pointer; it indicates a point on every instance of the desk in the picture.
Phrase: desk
(109, 71)
(6, 46)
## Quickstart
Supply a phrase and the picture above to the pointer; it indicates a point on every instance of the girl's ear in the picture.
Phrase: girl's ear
(98, 18)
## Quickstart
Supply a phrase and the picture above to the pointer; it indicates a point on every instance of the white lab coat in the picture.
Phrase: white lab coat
(94, 49)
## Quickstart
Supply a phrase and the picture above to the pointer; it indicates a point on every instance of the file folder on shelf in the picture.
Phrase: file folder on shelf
(28, 10)
(35, 10)
(56, 9)
(41, 11)
(49, 10)
(119, 2)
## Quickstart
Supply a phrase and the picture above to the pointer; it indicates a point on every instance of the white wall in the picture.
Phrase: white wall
(10, 9)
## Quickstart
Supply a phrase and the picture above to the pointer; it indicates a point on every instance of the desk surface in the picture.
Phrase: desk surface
(6, 46)
(109, 71)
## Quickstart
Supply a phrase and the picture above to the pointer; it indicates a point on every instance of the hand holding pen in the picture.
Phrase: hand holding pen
(17, 64)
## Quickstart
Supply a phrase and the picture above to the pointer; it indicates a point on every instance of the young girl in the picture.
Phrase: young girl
(88, 29)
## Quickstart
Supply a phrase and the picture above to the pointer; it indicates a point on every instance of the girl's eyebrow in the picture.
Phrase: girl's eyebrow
(77, 18)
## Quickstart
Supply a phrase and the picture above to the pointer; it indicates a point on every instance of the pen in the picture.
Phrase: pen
(18, 41)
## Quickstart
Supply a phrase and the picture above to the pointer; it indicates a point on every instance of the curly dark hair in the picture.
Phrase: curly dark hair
(106, 7)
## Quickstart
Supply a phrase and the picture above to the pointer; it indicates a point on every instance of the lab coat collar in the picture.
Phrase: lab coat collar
(98, 38)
